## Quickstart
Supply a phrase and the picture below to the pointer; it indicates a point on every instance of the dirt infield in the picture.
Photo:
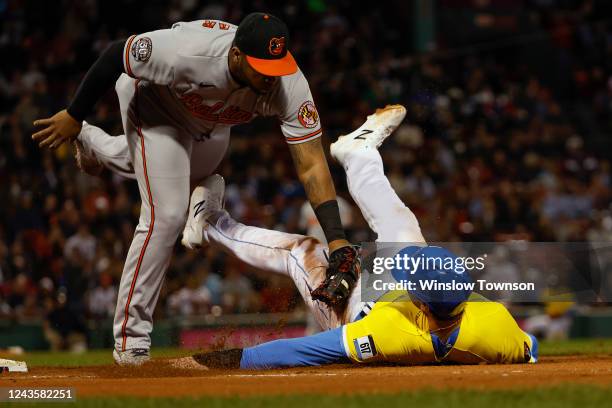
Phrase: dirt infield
(157, 379)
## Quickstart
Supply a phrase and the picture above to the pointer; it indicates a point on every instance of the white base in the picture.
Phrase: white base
(13, 366)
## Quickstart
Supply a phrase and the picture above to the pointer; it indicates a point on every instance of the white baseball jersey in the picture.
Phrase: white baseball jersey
(189, 63)
(177, 110)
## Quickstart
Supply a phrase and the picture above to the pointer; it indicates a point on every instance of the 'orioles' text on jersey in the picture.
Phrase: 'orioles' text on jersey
(187, 68)
(399, 332)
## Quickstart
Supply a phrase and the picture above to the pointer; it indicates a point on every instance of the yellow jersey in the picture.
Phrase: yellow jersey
(397, 331)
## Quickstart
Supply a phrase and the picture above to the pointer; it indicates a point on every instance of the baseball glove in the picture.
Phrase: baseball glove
(342, 274)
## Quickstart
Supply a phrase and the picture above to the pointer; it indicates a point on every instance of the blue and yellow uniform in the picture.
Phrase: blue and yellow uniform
(460, 327)
(397, 331)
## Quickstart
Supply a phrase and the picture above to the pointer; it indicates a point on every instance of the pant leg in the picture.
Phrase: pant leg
(111, 151)
(300, 257)
(161, 158)
(385, 213)
(207, 153)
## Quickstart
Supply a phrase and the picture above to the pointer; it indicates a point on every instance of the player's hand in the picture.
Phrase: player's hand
(342, 274)
(58, 129)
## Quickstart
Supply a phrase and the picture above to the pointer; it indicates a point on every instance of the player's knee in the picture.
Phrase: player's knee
(170, 219)
(309, 250)
(306, 244)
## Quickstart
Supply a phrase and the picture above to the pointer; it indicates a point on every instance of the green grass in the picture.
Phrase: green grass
(576, 346)
(557, 397)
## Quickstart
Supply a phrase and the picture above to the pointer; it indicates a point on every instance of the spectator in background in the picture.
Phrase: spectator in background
(19, 291)
(83, 242)
(501, 142)
(211, 283)
(63, 329)
(103, 298)
(191, 299)
(238, 295)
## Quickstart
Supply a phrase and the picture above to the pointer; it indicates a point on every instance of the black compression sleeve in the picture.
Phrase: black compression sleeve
(328, 215)
(225, 359)
(101, 76)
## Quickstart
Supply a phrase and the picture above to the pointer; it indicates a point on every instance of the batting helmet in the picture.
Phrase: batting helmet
(440, 280)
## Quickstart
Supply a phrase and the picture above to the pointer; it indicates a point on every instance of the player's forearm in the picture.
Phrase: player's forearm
(313, 172)
(311, 167)
(322, 348)
(101, 76)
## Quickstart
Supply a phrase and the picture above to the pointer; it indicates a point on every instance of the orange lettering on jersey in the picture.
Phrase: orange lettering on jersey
(223, 26)
(208, 24)
(232, 115)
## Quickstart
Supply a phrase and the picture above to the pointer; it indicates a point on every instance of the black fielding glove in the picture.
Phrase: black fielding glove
(342, 274)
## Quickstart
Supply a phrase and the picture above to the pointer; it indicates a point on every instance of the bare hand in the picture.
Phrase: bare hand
(59, 128)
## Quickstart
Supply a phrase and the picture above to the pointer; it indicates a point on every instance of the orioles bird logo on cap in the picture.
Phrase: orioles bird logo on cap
(276, 45)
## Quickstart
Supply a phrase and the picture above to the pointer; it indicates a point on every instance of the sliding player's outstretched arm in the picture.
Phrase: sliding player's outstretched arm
(322, 348)
(391, 332)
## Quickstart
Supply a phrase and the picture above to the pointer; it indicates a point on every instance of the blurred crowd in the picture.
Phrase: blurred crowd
(506, 137)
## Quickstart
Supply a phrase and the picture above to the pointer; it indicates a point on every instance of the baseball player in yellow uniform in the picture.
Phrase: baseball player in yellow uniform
(406, 327)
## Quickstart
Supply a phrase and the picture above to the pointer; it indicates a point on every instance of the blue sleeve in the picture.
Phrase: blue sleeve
(322, 348)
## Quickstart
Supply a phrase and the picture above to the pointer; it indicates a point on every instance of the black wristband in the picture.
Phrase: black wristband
(328, 215)
(101, 76)
(225, 359)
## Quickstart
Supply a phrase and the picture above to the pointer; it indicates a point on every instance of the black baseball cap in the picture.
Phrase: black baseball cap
(265, 39)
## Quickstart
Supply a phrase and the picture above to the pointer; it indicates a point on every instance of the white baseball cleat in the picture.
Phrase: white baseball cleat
(371, 134)
(206, 199)
(131, 357)
(86, 159)
(13, 366)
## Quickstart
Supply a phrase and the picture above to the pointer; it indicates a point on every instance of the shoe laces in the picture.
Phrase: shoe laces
(140, 352)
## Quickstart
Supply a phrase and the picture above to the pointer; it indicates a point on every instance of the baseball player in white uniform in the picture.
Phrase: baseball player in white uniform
(180, 91)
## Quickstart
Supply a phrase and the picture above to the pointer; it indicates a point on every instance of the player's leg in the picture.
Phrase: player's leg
(161, 157)
(385, 213)
(96, 150)
(207, 153)
(300, 257)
